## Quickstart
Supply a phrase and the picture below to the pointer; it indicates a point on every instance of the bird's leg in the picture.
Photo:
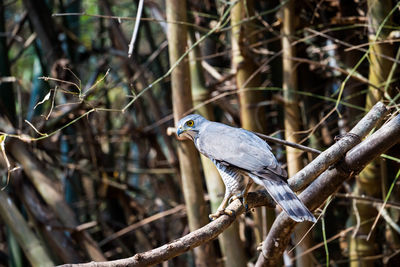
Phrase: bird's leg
(243, 195)
(234, 197)
(221, 209)
(245, 192)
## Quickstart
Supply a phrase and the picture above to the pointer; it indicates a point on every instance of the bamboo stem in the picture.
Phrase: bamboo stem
(231, 245)
(30, 244)
(188, 156)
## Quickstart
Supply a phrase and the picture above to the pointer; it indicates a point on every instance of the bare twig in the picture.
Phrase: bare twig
(336, 40)
(367, 199)
(145, 221)
(121, 18)
(382, 208)
(358, 219)
(136, 28)
(332, 238)
(388, 219)
(287, 143)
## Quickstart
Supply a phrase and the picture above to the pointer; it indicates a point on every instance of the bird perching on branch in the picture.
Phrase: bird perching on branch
(238, 154)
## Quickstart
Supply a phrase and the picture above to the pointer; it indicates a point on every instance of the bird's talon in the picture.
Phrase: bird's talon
(233, 198)
(214, 216)
(229, 212)
(259, 248)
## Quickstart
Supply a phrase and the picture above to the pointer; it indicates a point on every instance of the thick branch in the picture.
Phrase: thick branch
(213, 229)
(189, 241)
(339, 149)
(326, 184)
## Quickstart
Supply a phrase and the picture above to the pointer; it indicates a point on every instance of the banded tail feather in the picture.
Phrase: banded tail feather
(288, 200)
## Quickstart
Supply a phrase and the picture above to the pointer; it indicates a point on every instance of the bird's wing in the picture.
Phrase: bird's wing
(239, 148)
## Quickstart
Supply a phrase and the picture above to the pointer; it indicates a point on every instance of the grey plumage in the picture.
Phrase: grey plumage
(237, 152)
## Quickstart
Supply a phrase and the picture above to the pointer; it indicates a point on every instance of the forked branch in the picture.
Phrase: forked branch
(314, 195)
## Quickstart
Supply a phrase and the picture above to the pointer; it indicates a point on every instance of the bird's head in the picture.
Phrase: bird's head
(190, 125)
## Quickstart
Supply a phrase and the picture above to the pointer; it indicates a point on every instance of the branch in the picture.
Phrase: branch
(214, 228)
(327, 158)
(189, 241)
(326, 184)
(287, 143)
(136, 28)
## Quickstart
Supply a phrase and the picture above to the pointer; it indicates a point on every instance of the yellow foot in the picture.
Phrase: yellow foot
(244, 200)
(233, 198)
(259, 248)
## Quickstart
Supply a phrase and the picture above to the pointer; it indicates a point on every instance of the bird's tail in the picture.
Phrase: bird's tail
(288, 200)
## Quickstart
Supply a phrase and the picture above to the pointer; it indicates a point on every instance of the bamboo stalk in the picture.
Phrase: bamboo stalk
(43, 184)
(30, 244)
(292, 119)
(188, 156)
(289, 84)
(60, 243)
(231, 245)
(368, 182)
(252, 117)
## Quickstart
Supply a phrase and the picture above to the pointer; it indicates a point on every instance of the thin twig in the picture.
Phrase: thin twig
(332, 238)
(287, 143)
(388, 219)
(145, 221)
(136, 28)
(384, 204)
(358, 219)
(368, 199)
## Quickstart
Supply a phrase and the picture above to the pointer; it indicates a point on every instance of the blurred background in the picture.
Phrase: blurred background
(90, 172)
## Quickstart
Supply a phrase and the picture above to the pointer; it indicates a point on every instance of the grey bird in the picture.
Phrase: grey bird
(237, 154)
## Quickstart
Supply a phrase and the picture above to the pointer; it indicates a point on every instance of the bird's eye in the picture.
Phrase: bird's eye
(190, 123)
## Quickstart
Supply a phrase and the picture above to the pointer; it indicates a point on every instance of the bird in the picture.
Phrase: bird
(239, 154)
